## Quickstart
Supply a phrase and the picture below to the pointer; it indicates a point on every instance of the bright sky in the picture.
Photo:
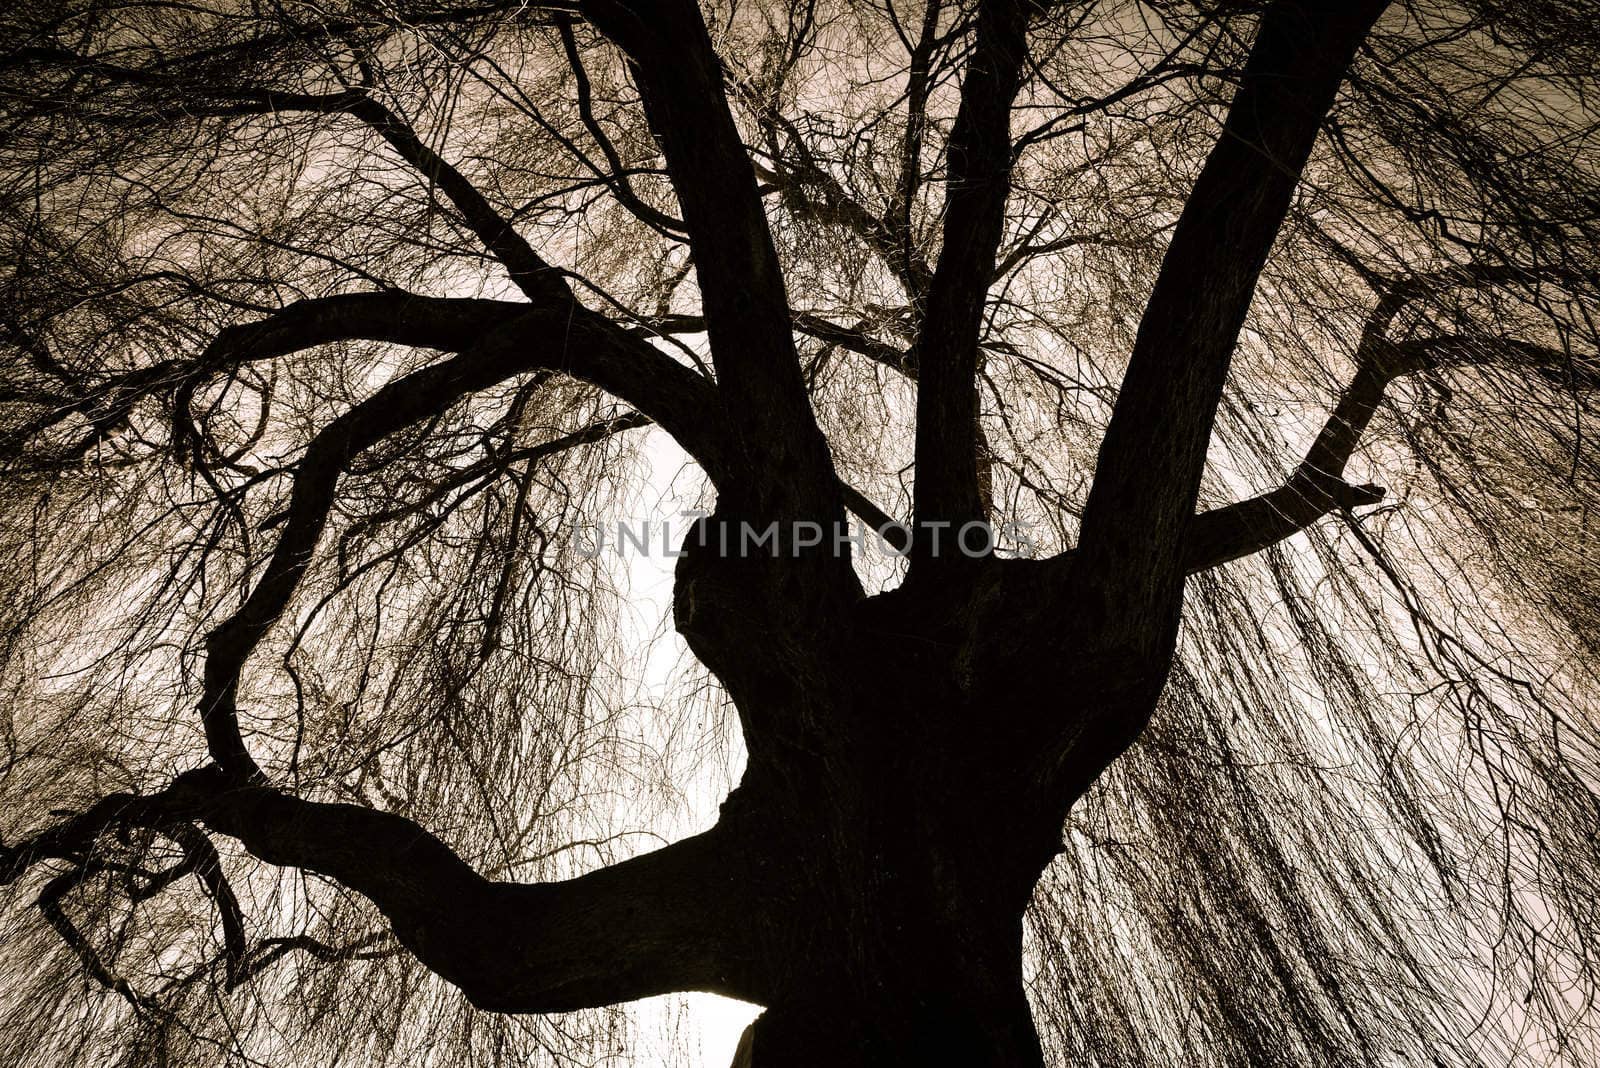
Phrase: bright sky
(711, 1023)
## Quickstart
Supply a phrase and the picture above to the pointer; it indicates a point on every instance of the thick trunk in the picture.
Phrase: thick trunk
(892, 927)
(970, 1014)
(899, 948)
(909, 769)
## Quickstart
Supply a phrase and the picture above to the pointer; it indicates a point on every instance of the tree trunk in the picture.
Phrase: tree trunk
(919, 963)
(909, 771)
(955, 1017)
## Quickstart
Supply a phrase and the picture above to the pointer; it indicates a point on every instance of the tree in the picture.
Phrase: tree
(329, 326)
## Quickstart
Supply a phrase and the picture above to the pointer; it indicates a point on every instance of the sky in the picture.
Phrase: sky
(708, 1026)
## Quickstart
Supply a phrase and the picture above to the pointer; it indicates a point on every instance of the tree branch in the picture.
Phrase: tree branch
(791, 174)
(651, 925)
(1148, 473)
(531, 273)
(742, 291)
(1238, 530)
(536, 278)
(1317, 487)
(852, 338)
(918, 79)
(567, 339)
(617, 177)
(579, 342)
(947, 485)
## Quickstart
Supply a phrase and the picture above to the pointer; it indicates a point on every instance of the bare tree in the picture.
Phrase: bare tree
(329, 327)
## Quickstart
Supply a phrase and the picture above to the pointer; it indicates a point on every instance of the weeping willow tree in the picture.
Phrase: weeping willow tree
(1218, 378)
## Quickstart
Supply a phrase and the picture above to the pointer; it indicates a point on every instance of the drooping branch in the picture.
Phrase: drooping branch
(535, 277)
(979, 182)
(571, 339)
(1150, 462)
(770, 419)
(388, 316)
(447, 324)
(55, 914)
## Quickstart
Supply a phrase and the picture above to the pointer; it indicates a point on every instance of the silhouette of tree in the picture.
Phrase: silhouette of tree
(329, 327)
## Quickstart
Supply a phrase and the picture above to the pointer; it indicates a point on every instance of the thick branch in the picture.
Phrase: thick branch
(579, 342)
(742, 291)
(1225, 534)
(648, 926)
(651, 925)
(947, 486)
(1148, 472)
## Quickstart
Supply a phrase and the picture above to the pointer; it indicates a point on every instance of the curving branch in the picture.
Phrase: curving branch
(567, 339)
(1318, 487)
(783, 455)
(650, 925)
(558, 335)
(647, 926)
(448, 324)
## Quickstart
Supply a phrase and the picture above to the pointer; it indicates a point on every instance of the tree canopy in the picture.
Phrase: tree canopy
(329, 332)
